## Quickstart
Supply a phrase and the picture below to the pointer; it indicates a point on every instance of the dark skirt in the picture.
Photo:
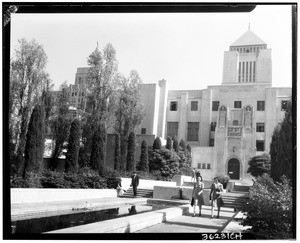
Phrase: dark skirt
(200, 199)
(218, 202)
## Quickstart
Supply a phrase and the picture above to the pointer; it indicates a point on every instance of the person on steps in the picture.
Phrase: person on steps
(198, 195)
(134, 183)
(215, 196)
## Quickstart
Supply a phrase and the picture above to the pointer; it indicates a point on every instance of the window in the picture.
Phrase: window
(260, 127)
(235, 123)
(72, 93)
(172, 129)
(193, 131)
(211, 142)
(260, 145)
(238, 104)
(143, 131)
(215, 105)
(194, 105)
(208, 166)
(213, 126)
(203, 165)
(173, 106)
(284, 105)
(199, 166)
(260, 105)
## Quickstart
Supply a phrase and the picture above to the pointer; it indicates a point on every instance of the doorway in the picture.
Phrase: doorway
(234, 169)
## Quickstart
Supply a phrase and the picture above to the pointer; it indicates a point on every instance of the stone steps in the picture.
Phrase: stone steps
(141, 192)
(240, 188)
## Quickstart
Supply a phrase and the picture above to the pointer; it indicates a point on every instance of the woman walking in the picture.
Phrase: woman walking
(197, 194)
(215, 196)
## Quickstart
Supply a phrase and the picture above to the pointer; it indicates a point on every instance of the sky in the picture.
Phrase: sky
(186, 49)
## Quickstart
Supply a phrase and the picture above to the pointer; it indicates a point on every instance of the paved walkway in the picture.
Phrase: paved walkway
(189, 224)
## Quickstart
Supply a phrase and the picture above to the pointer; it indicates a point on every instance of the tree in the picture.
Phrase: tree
(169, 143)
(98, 151)
(182, 145)
(117, 152)
(281, 148)
(131, 152)
(130, 111)
(73, 147)
(144, 163)
(60, 123)
(189, 155)
(260, 164)
(157, 143)
(103, 68)
(34, 148)
(48, 100)
(27, 79)
(175, 144)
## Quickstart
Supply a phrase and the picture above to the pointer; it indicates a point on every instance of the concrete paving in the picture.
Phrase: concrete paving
(188, 224)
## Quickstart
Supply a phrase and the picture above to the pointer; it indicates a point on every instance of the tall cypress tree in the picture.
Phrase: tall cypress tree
(130, 152)
(117, 152)
(169, 143)
(73, 147)
(175, 144)
(98, 151)
(281, 149)
(144, 163)
(34, 148)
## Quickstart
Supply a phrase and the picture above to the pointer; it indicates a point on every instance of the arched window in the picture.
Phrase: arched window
(235, 123)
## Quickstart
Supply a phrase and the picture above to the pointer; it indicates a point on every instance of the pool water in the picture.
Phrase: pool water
(79, 217)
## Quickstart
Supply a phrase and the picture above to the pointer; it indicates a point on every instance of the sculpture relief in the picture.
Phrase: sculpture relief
(248, 117)
(234, 132)
(222, 117)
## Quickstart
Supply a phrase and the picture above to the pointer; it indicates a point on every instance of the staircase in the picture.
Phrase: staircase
(141, 192)
(240, 188)
(235, 200)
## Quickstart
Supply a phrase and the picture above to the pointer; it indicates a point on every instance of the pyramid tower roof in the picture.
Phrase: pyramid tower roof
(248, 39)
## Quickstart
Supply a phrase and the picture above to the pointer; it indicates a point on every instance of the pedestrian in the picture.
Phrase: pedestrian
(215, 196)
(119, 188)
(134, 183)
(197, 195)
(194, 175)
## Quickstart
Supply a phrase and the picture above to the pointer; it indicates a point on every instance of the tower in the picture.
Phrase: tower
(247, 61)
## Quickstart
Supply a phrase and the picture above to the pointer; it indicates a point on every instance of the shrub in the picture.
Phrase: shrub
(157, 143)
(260, 164)
(165, 161)
(269, 210)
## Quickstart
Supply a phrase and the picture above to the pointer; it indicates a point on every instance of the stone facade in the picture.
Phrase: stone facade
(225, 124)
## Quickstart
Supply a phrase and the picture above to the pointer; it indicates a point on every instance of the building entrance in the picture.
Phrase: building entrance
(234, 169)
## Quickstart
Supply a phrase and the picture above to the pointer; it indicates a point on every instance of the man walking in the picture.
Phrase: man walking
(134, 183)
